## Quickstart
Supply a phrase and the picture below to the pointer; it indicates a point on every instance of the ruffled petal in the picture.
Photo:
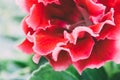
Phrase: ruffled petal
(62, 62)
(109, 32)
(26, 46)
(92, 6)
(37, 18)
(79, 32)
(108, 3)
(104, 32)
(49, 1)
(109, 16)
(59, 12)
(95, 8)
(97, 27)
(104, 50)
(77, 51)
(106, 25)
(46, 40)
(36, 58)
(25, 27)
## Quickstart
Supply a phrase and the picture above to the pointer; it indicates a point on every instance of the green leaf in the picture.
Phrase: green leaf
(111, 68)
(95, 74)
(20, 63)
(45, 72)
(116, 76)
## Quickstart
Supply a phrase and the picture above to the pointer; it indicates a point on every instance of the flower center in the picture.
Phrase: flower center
(85, 21)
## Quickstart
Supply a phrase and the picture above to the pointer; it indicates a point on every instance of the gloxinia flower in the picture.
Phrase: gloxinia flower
(84, 33)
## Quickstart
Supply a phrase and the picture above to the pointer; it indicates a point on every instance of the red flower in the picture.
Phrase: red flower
(84, 33)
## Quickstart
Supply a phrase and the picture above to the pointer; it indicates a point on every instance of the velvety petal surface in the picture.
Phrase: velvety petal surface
(49, 1)
(77, 51)
(36, 58)
(46, 40)
(26, 46)
(102, 52)
(37, 18)
(62, 63)
(25, 27)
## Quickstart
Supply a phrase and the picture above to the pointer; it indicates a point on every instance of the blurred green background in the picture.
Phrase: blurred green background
(14, 65)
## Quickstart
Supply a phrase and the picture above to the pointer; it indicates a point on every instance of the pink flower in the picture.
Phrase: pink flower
(84, 33)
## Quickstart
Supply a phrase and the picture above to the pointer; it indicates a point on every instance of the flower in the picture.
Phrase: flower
(84, 33)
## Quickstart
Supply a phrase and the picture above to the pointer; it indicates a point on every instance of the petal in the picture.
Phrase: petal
(97, 27)
(104, 50)
(56, 51)
(26, 4)
(70, 15)
(25, 27)
(36, 58)
(49, 1)
(107, 25)
(106, 18)
(62, 62)
(117, 18)
(109, 32)
(105, 31)
(114, 33)
(108, 3)
(37, 18)
(26, 46)
(94, 8)
(117, 12)
(77, 51)
(109, 16)
(46, 40)
(79, 32)
(117, 56)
